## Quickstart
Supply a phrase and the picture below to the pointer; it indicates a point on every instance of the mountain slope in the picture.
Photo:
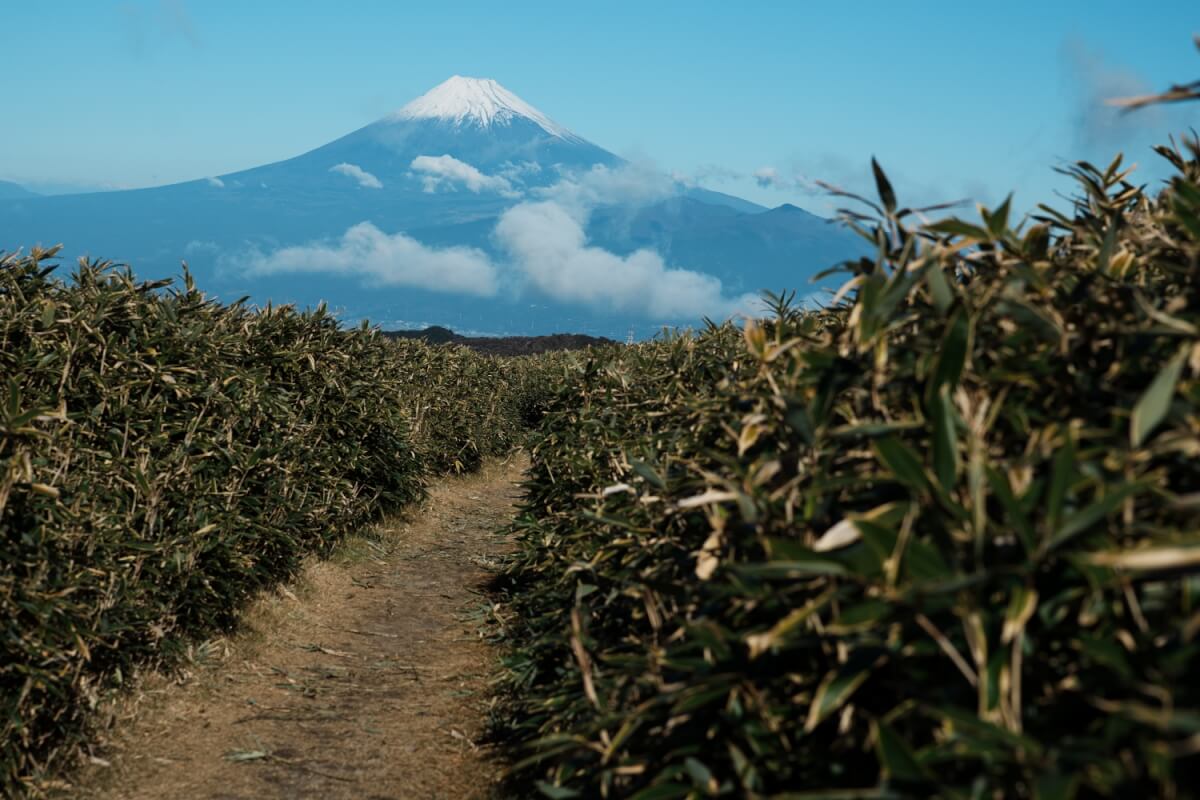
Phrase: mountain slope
(9, 190)
(429, 180)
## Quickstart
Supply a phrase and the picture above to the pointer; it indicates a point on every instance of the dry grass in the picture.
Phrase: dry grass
(365, 678)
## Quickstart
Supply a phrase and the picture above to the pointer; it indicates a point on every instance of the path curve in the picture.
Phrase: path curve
(367, 679)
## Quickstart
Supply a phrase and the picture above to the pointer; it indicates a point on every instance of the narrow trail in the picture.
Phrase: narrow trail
(367, 679)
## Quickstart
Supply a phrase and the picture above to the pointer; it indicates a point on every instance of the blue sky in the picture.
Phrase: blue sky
(955, 99)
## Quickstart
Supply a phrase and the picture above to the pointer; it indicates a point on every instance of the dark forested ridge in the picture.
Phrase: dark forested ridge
(504, 345)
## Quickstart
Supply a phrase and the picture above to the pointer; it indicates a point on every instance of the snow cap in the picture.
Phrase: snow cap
(478, 101)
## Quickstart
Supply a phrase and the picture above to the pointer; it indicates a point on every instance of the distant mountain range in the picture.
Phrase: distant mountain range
(9, 190)
(467, 208)
(504, 345)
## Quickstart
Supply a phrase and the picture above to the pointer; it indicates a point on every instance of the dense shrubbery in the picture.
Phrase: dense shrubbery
(937, 540)
(460, 405)
(165, 456)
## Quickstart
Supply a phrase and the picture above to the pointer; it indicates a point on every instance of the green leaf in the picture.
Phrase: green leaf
(945, 440)
(1061, 475)
(799, 421)
(997, 221)
(759, 643)
(923, 562)
(1002, 489)
(648, 472)
(1055, 786)
(787, 570)
(939, 288)
(968, 723)
(896, 758)
(952, 355)
(871, 430)
(902, 461)
(700, 697)
(663, 791)
(1104, 257)
(1108, 653)
(864, 615)
(701, 775)
(956, 227)
(1154, 403)
(833, 692)
(1037, 241)
(556, 792)
(886, 194)
(1021, 606)
(880, 540)
(1164, 719)
(1081, 521)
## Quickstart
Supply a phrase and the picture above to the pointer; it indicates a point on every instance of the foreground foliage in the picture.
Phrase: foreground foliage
(164, 456)
(937, 540)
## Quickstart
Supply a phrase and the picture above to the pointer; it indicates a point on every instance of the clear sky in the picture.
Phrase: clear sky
(956, 99)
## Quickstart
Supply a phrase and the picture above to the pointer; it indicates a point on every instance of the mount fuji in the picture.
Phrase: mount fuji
(467, 208)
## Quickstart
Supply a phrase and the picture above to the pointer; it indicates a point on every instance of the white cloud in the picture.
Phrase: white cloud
(439, 170)
(545, 244)
(1101, 129)
(718, 173)
(580, 192)
(217, 182)
(771, 178)
(548, 245)
(198, 246)
(381, 259)
(517, 172)
(364, 178)
(766, 176)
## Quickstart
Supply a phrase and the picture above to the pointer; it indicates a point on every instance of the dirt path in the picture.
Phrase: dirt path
(367, 679)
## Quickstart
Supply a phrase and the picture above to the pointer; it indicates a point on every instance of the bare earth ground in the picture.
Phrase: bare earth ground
(366, 679)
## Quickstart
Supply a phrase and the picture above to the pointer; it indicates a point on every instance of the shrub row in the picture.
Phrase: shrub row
(937, 540)
(164, 456)
(462, 406)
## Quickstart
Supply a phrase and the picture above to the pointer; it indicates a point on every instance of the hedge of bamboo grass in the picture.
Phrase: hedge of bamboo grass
(938, 540)
(164, 456)
(462, 406)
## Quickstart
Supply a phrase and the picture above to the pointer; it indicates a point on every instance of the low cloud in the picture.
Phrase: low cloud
(766, 176)
(217, 182)
(364, 178)
(1093, 79)
(382, 259)
(716, 173)
(628, 184)
(437, 171)
(201, 246)
(517, 172)
(544, 245)
(547, 243)
(772, 178)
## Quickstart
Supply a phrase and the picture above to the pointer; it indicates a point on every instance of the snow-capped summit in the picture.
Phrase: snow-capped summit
(478, 101)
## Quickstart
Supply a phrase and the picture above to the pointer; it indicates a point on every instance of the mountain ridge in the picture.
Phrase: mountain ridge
(427, 193)
(11, 189)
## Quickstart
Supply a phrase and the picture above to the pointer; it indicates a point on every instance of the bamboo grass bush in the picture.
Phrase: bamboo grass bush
(939, 539)
(164, 456)
(462, 406)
